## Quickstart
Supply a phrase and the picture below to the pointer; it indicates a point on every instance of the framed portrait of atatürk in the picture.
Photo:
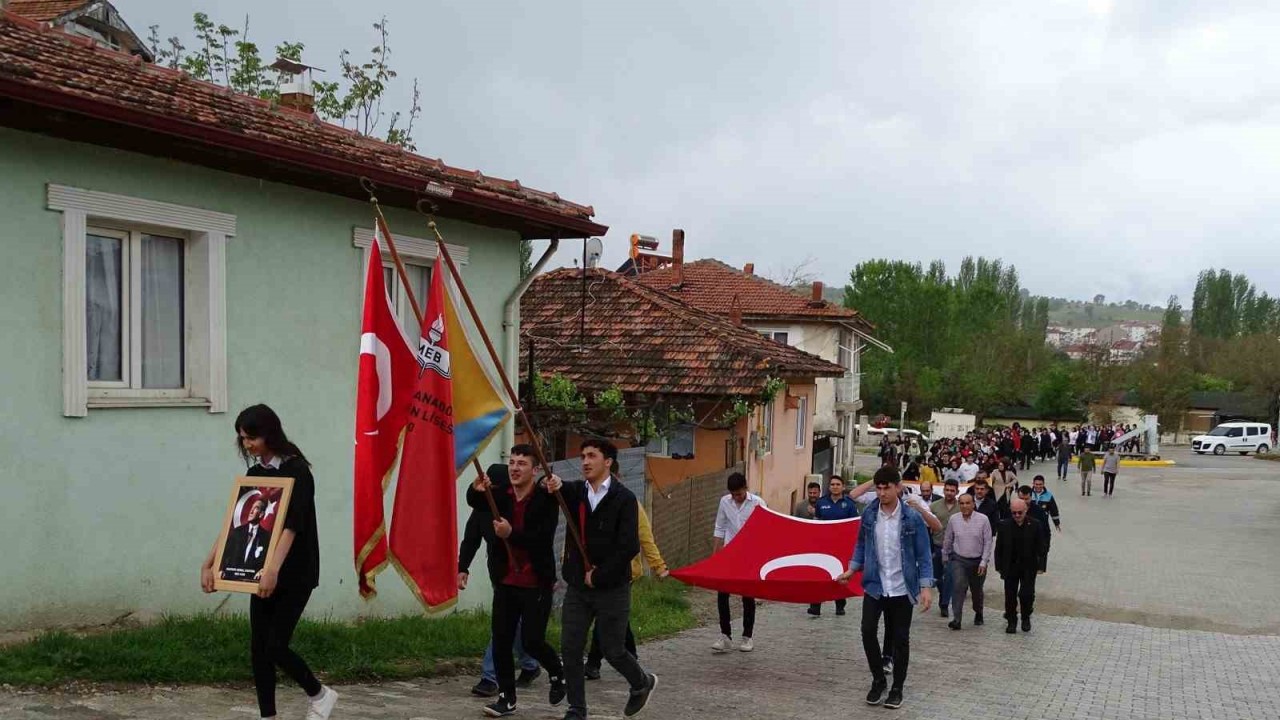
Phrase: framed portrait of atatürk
(250, 530)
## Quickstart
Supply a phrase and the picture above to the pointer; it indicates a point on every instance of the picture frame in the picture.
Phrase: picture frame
(255, 514)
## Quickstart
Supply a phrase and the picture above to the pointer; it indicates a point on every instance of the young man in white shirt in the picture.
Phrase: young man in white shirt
(735, 508)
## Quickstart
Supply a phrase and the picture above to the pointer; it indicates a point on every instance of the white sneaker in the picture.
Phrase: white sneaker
(747, 645)
(722, 644)
(323, 705)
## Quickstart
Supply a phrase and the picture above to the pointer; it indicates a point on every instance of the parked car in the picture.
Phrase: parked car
(1241, 437)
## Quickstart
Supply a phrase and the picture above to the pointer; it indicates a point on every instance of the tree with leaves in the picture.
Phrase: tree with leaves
(1165, 377)
(225, 56)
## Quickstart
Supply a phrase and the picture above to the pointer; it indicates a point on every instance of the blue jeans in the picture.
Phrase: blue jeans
(1062, 468)
(942, 578)
(490, 673)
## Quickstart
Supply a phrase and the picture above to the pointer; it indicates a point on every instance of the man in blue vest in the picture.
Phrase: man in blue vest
(895, 557)
(835, 505)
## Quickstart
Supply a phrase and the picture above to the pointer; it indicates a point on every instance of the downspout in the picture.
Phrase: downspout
(511, 336)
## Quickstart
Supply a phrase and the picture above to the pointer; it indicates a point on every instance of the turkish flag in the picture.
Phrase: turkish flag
(384, 386)
(249, 496)
(782, 558)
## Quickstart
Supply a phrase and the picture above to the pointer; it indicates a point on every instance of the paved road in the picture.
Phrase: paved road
(1181, 547)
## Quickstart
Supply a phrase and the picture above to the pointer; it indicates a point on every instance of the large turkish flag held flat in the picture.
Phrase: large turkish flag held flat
(781, 558)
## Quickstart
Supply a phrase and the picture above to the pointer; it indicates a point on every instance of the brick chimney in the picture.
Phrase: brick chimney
(735, 312)
(749, 268)
(677, 257)
(815, 300)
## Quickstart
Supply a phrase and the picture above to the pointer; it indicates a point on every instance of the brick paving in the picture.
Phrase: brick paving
(1167, 551)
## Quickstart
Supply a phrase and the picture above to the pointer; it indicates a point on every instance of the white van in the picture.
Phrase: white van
(1241, 437)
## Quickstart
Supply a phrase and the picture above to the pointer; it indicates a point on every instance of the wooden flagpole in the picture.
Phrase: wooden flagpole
(417, 314)
(511, 393)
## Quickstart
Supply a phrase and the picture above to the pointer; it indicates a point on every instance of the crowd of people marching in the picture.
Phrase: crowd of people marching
(985, 517)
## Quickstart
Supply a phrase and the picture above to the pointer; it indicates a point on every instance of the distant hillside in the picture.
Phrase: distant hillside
(1076, 313)
(1070, 313)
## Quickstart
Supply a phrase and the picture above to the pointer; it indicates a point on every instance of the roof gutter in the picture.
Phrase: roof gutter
(558, 224)
(511, 333)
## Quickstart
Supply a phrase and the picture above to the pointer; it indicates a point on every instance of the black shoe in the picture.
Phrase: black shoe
(574, 715)
(1026, 624)
(592, 672)
(894, 701)
(556, 695)
(840, 611)
(945, 612)
(954, 624)
(640, 698)
(527, 677)
(1012, 629)
(977, 618)
(485, 688)
(815, 610)
(502, 708)
(876, 696)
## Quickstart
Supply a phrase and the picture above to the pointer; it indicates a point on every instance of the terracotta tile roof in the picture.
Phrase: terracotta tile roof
(55, 69)
(44, 10)
(712, 285)
(643, 340)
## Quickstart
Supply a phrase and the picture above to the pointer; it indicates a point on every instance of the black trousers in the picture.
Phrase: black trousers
(529, 609)
(611, 611)
(271, 624)
(840, 605)
(596, 656)
(748, 615)
(897, 613)
(1019, 588)
(1108, 482)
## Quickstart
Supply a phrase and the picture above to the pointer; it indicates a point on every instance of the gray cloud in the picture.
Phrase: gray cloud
(1099, 146)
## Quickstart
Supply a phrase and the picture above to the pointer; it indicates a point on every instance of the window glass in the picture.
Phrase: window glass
(680, 441)
(1235, 432)
(104, 285)
(162, 312)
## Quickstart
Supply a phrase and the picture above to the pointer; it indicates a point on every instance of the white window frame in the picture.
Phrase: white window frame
(129, 387)
(413, 251)
(205, 234)
(802, 420)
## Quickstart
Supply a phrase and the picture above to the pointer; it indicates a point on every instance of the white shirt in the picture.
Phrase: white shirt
(730, 517)
(253, 535)
(273, 464)
(889, 551)
(969, 471)
(593, 496)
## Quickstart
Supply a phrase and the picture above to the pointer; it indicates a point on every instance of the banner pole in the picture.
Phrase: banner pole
(506, 384)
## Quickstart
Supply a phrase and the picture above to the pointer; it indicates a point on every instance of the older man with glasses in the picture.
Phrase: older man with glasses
(1019, 547)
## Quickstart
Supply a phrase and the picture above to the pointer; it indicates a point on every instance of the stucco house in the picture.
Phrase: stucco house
(660, 351)
(811, 323)
(175, 252)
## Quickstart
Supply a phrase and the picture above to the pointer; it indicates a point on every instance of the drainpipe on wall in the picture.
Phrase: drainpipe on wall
(511, 338)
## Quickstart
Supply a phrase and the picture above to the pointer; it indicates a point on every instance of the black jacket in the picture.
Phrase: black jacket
(612, 535)
(472, 535)
(538, 536)
(1019, 547)
(301, 568)
(987, 507)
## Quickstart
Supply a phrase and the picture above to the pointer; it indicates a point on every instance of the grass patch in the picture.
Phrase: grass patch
(1273, 457)
(209, 649)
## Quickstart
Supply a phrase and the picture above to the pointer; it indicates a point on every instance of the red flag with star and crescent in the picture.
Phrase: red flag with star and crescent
(384, 387)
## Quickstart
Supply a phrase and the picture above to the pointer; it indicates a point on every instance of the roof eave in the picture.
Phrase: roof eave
(541, 223)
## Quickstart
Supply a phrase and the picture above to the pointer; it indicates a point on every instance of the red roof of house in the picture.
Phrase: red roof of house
(48, 69)
(714, 286)
(644, 340)
(44, 10)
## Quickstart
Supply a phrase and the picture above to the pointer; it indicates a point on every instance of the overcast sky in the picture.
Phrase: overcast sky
(1101, 146)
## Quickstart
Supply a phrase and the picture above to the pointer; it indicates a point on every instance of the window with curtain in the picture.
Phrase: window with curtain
(420, 280)
(802, 421)
(134, 310)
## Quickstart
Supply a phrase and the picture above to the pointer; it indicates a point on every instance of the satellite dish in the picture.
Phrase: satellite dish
(593, 250)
